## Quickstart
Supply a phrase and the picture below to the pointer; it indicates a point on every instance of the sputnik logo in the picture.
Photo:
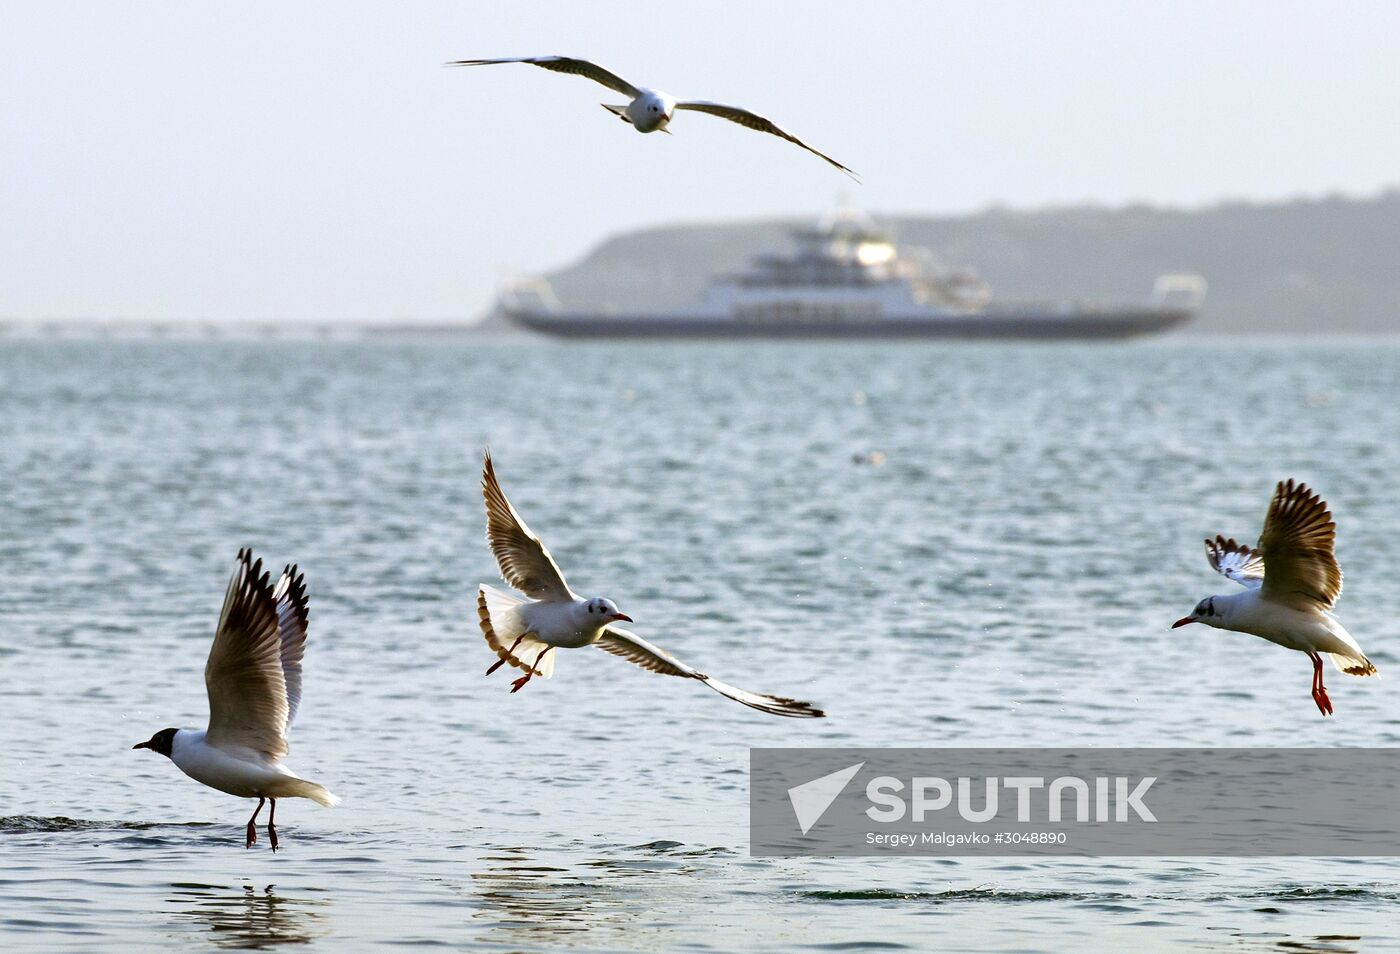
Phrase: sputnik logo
(810, 800)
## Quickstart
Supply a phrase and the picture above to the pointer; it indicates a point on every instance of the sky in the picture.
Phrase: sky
(315, 161)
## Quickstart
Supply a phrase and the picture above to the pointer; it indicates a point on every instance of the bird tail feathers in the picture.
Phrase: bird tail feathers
(619, 111)
(302, 788)
(1354, 664)
(504, 629)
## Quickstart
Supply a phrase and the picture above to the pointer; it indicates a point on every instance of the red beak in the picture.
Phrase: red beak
(1183, 621)
(621, 616)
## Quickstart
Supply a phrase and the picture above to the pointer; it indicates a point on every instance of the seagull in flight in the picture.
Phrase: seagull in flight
(253, 678)
(651, 109)
(526, 632)
(1291, 582)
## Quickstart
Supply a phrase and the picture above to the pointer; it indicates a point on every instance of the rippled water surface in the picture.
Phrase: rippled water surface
(1000, 570)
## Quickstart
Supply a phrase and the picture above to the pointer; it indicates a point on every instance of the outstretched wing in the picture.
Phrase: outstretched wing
(1243, 564)
(525, 563)
(292, 612)
(1298, 541)
(565, 64)
(247, 687)
(756, 122)
(634, 649)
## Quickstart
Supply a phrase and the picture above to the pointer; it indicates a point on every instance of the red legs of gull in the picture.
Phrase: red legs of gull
(1319, 691)
(271, 828)
(509, 652)
(518, 684)
(253, 824)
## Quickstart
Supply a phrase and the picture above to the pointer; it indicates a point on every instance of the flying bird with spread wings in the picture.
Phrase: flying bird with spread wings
(1292, 582)
(651, 110)
(527, 632)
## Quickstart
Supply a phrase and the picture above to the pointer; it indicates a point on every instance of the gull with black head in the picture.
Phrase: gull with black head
(1291, 582)
(526, 632)
(253, 678)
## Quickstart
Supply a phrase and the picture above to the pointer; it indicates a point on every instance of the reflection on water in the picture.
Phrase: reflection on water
(251, 919)
(524, 898)
(1257, 942)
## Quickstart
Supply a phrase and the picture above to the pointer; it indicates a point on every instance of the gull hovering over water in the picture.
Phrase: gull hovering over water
(253, 678)
(651, 109)
(526, 632)
(1291, 582)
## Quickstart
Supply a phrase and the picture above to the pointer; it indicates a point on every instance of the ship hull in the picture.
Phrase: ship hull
(1109, 324)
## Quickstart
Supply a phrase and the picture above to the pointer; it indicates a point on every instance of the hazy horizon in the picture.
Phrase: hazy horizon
(318, 162)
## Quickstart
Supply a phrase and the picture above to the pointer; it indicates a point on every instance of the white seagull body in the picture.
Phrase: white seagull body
(651, 110)
(525, 632)
(1291, 582)
(253, 678)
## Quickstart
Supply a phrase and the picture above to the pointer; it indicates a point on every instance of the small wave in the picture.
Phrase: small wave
(950, 896)
(38, 824)
(1300, 893)
(662, 845)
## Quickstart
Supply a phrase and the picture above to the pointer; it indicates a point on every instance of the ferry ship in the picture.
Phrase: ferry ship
(846, 278)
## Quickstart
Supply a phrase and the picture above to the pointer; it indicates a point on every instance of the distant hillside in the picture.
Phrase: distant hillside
(1302, 266)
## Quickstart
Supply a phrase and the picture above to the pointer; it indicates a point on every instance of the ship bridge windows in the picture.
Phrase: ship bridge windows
(807, 311)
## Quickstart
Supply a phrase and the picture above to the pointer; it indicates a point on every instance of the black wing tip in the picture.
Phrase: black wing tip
(796, 709)
(1224, 544)
(527, 60)
(253, 569)
(1296, 495)
(251, 572)
(296, 584)
(783, 706)
(1299, 490)
(1217, 548)
(251, 589)
(489, 481)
